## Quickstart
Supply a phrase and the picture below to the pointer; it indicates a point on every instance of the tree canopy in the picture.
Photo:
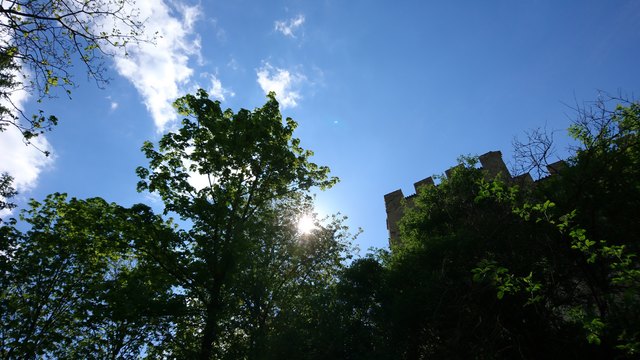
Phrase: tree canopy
(72, 285)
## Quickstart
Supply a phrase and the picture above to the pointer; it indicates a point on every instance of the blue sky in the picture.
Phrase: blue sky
(385, 92)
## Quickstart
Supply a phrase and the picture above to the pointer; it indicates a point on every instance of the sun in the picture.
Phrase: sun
(306, 224)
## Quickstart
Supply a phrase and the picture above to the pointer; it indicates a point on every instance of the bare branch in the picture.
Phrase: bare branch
(47, 37)
(533, 153)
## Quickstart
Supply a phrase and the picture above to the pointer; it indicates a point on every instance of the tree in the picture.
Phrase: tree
(438, 310)
(72, 286)
(533, 154)
(284, 271)
(595, 211)
(590, 211)
(358, 317)
(238, 180)
(45, 38)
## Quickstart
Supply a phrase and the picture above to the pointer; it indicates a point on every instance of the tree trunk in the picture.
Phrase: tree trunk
(210, 329)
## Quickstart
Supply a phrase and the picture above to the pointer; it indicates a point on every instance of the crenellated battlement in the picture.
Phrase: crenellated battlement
(491, 162)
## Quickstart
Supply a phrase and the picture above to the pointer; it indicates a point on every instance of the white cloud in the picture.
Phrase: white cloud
(287, 28)
(161, 72)
(283, 82)
(190, 14)
(23, 162)
(153, 198)
(214, 89)
(217, 91)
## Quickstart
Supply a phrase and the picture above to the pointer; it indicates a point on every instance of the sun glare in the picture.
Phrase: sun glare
(305, 224)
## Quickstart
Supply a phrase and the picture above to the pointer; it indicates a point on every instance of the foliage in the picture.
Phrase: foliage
(453, 236)
(6, 193)
(72, 286)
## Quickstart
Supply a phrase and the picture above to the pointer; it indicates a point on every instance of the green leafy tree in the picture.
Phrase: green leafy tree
(284, 270)
(588, 213)
(596, 202)
(73, 287)
(438, 310)
(358, 314)
(229, 176)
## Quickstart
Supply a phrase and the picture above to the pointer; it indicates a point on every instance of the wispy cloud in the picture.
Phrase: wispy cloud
(216, 89)
(221, 34)
(233, 64)
(288, 27)
(161, 72)
(281, 81)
